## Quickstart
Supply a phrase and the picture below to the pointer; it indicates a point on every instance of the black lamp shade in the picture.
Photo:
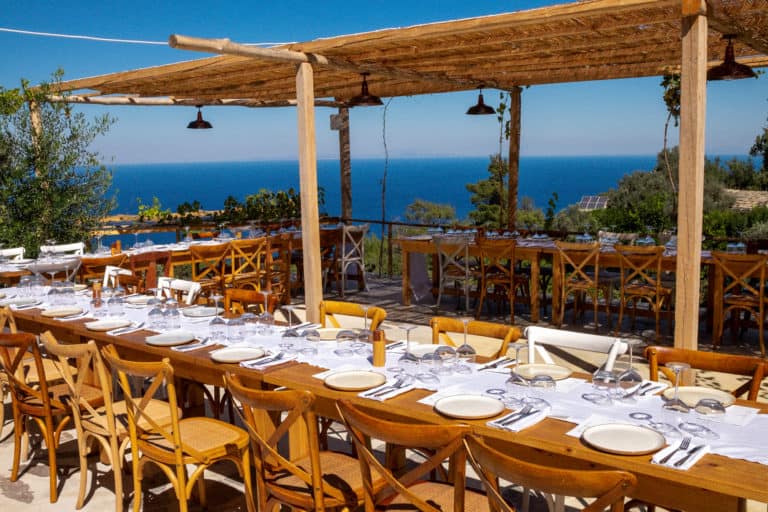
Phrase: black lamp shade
(365, 99)
(481, 109)
(730, 69)
(199, 123)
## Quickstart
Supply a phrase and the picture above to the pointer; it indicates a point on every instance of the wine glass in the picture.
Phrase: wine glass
(365, 334)
(187, 238)
(217, 326)
(630, 378)
(465, 353)
(408, 359)
(266, 318)
(675, 404)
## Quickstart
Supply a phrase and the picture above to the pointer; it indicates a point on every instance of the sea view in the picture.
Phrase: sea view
(439, 180)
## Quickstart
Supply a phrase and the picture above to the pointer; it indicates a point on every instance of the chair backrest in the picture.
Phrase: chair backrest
(579, 263)
(538, 336)
(608, 487)
(269, 417)
(753, 367)
(75, 248)
(237, 300)
(95, 267)
(279, 265)
(353, 243)
(440, 442)
(33, 400)
(330, 308)
(111, 271)
(248, 260)
(147, 434)
(13, 253)
(453, 252)
(611, 237)
(443, 327)
(7, 321)
(743, 274)
(208, 261)
(179, 289)
(498, 258)
(88, 369)
(641, 265)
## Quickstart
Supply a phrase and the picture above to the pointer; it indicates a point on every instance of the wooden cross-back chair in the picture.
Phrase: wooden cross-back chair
(455, 265)
(144, 266)
(330, 308)
(497, 273)
(196, 441)
(411, 489)
(331, 240)
(607, 487)
(739, 286)
(279, 266)
(237, 300)
(209, 266)
(317, 480)
(44, 403)
(7, 325)
(248, 259)
(95, 267)
(579, 268)
(641, 282)
(753, 367)
(352, 255)
(80, 364)
(450, 331)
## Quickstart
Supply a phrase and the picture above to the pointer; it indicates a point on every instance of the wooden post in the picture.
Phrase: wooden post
(345, 163)
(37, 126)
(514, 153)
(310, 218)
(693, 99)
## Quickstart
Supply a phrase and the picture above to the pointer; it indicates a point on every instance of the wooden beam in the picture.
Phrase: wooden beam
(515, 109)
(178, 102)
(310, 217)
(345, 162)
(693, 96)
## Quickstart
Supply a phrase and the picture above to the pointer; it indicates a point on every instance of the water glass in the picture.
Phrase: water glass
(236, 330)
(217, 328)
(172, 315)
(24, 285)
(344, 340)
(115, 305)
(250, 324)
(156, 318)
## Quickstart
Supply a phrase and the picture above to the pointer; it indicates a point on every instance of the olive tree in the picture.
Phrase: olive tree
(52, 186)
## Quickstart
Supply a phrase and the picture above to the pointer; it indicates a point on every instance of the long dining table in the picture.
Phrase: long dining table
(716, 482)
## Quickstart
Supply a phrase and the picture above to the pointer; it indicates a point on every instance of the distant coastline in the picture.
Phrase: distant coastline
(440, 180)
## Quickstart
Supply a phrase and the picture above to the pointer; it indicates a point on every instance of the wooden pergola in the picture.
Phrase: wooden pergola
(580, 41)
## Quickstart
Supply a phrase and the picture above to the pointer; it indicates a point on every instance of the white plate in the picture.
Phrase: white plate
(529, 371)
(138, 300)
(62, 311)
(200, 311)
(20, 301)
(355, 380)
(236, 354)
(170, 339)
(690, 395)
(108, 325)
(623, 439)
(469, 406)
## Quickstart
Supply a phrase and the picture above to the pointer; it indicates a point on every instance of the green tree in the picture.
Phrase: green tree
(489, 196)
(427, 212)
(51, 185)
(528, 215)
(760, 148)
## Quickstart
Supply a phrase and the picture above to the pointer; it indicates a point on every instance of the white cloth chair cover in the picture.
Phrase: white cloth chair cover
(13, 253)
(75, 248)
(109, 275)
(538, 337)
(166, 286)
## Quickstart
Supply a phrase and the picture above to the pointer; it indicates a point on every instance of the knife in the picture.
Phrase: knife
(496, 364)
(693, 451)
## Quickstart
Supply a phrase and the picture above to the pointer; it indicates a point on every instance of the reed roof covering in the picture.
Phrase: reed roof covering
(588, 40)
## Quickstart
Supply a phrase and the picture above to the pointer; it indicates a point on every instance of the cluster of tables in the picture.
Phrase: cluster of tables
(731, 468)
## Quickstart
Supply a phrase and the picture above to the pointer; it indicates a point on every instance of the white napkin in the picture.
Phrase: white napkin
(380, 394)
(700, 448)
(523, 423)
(257, 364)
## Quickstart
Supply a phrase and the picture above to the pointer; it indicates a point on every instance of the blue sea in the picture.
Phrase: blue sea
(439, 180)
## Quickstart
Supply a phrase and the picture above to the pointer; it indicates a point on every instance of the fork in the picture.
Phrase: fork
(399, 383)
(516, 416)
(498, 363)
(268, 360)
(684, 444)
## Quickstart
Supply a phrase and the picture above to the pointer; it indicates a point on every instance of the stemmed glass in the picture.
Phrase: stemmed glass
(136, 240)
(217, 326)
(365, 334)
(465, 353)
(266, 318)
(675, 404)
(187, 238)
(408, 360)
(630, 378)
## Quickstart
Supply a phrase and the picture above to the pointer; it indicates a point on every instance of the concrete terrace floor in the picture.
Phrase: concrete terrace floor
(30, 492)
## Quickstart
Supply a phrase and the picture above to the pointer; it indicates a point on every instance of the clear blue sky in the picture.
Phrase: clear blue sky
(589, 118)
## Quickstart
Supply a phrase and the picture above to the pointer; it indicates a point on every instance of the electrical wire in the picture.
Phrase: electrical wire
(107, 39)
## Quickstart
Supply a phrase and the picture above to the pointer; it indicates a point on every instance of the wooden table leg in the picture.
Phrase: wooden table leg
(406, 277)
(535, 285)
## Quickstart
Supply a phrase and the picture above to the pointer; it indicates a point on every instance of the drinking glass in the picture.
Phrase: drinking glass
(266, 318)
(251, 322)
(172, 315)
(629, 378)
(538, 387)
(155, 317)
(236, 329)
(344, 341)
(516, 384)
(115, 305)
(187, 237)
(429, 365)
(675, 404)
(365, 334)
(217, 326)
(465, 353)
(408, 354)
(447, 357)
(706, 409)
(136, 240)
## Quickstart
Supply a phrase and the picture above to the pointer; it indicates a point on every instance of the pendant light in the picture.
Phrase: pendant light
(365, 99)
(199, 123)
(481, 109)
(730, 69)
